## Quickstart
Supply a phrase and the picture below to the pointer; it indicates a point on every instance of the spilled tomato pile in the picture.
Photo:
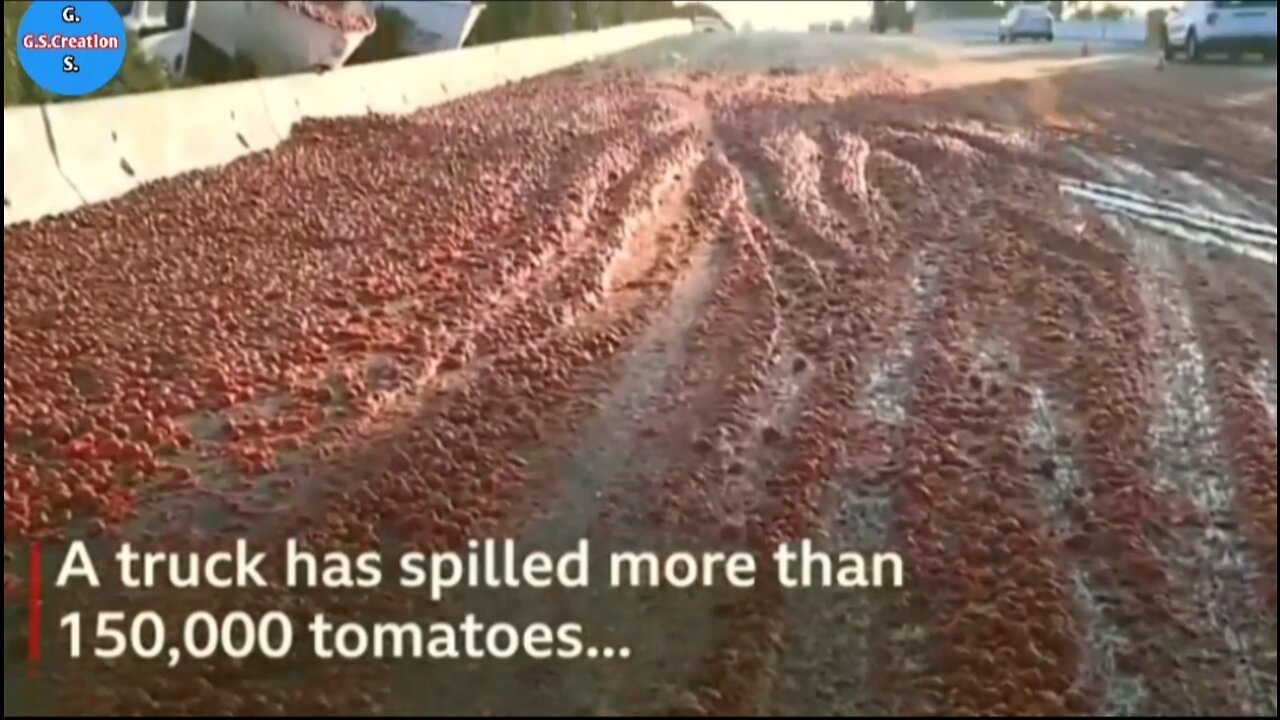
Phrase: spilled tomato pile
(709, 310)
(336, 15)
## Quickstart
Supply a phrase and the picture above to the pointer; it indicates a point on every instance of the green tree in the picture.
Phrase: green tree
(655, 10)
(955, 9)
(610, 13)
(1113, 12)
(541, 19)
(510, 19)
(501, 21)
(14, 85)
(389, 39)
(1081, 9)
(586, 14)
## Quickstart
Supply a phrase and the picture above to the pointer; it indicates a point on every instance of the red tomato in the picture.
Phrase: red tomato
(83, 450)
(59, 433)
(111, 449)
(13, 588)
(86, 498)
(288, 444)
(60, 493)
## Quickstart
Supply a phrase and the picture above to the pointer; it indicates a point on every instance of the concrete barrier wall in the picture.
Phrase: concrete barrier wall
(107, 147)
(33, 183)
(60, 156)
(1117, 31)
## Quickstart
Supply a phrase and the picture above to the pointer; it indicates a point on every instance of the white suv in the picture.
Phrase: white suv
(1234, 27)
(1027, 21)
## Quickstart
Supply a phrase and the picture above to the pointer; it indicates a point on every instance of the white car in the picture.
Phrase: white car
(1034, 22)
(1234, 27)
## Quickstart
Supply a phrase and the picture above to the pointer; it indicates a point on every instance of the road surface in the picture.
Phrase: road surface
(1008, 313)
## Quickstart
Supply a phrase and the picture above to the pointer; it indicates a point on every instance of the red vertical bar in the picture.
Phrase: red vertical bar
(35, 589)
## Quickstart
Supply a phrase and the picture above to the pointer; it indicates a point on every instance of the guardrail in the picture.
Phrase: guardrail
(60, 156)
(1117, 31)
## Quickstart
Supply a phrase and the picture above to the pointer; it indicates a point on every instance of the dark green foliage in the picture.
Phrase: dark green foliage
(541, 19)
(656, 10)
(389, 38)
(500, 21)
(949, 9)
(139, 73)
(14, 85)
(586, 15)
(610, 13)
(1111, 11)
(511, 19)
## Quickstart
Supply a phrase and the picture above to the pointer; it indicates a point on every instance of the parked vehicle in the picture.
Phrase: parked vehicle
(1029, 22)
(277, 37)
(890, 14)
(217, 40)
(836, 26)
(1233, 27)
(163, 30)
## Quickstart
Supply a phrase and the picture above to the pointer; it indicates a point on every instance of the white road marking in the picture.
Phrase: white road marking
(1124, 695)
(1250, 230)
(1265, 382)
(1233, 202)
(1189, 464)
(1133, 168)
(1196, 226)
(889, 382)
